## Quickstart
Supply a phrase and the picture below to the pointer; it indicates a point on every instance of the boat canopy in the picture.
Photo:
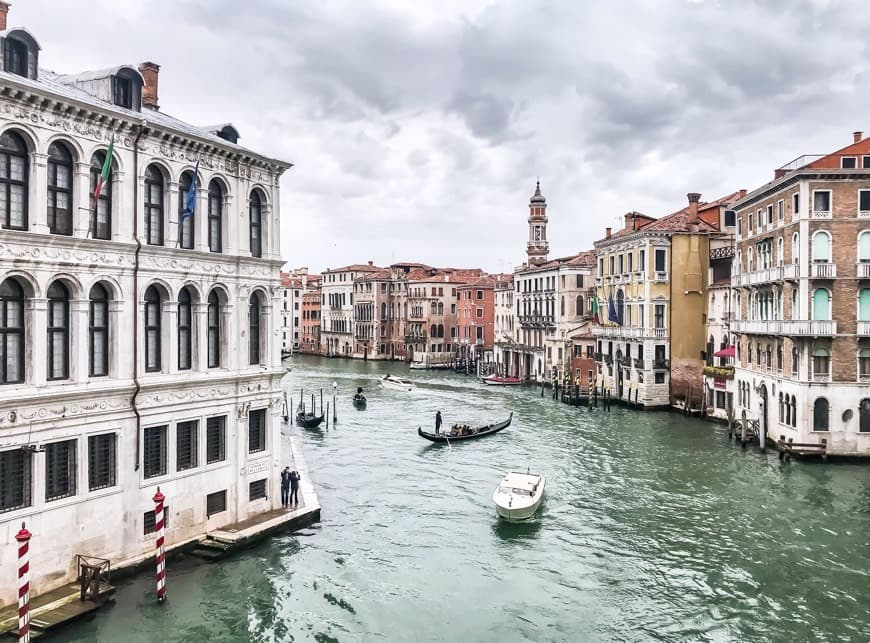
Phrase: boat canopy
(524, 481)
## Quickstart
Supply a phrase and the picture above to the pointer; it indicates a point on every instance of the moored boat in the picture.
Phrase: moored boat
(417, 366)
(519, 495)
(464, 431)
(360, 401)
(396, 383)
(498, 380)
(308, 420)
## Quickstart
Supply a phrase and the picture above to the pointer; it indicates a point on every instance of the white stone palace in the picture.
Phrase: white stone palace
(138, 346)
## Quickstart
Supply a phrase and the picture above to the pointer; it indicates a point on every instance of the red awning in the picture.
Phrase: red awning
(725, 352)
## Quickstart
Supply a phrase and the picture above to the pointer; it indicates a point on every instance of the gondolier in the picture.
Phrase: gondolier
(437, 422)
(464, 431)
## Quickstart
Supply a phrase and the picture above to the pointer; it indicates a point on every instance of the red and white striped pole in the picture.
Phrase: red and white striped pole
(23, 538)
(161, 559)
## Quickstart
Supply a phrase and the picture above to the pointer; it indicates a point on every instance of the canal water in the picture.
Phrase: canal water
(654, 527)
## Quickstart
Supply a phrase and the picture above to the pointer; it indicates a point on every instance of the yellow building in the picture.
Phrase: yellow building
(652, 280)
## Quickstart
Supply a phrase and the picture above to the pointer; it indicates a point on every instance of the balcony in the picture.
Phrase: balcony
(725, 372)
(823, 270)
(536, 320)
(725, 252)
(638, 363)
(821, 214)
(795, 327)
(640, 276)
(608, 359)
(660, 276)
(661, 364)
(863, 328)
(629, 332)
(862, 270)
(776, 273)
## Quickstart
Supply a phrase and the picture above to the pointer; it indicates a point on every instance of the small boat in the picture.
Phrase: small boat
(498, 380)
(519, 495)
(396, 383)
(308, 420)
(417, 366)
(360, 401)
(464, 432)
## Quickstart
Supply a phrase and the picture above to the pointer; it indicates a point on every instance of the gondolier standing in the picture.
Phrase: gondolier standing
(437, 422)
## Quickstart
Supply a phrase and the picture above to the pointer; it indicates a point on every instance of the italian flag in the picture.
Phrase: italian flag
(107, 168)
(595, 309)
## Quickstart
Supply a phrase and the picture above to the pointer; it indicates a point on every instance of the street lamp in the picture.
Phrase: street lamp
(334, 411)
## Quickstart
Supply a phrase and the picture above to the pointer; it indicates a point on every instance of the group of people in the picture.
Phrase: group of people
(456, 429)
(289, 487)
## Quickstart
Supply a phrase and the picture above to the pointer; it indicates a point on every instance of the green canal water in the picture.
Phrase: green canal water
(654, 527)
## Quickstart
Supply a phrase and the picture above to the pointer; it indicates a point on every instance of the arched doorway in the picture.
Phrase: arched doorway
(619, 378)
(762, 413)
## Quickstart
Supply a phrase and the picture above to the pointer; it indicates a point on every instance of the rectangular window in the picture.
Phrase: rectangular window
(659, 377)
(149, 523)
(749, 223)
(256, 430)
(621, 264)
(123, 90)
(154, 451)
(15, 467)
(659, 321)
(480, 332)
(730, 216)
(257, 490)
(849, 162)
(479, 312)
(795, 203)
(660, 260)
(60, 470)
(769, 214)
(630, 264)
(612, 263)
(739, 226)
(215, 503)
(780, 212)
(864, 202)
(479, 294)
(821, 200)
(186, 445)
(102, 461)
(641, 263)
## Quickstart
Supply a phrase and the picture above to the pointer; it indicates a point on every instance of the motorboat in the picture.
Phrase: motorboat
(396, 383)
(519, 495)
(464, 431)
(498, 380)
(417, 366)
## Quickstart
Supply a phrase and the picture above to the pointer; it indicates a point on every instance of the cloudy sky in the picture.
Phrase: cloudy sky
(418, 133)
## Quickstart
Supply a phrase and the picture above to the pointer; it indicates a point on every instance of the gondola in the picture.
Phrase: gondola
(308, 420)
(359, 402)
(464, 433)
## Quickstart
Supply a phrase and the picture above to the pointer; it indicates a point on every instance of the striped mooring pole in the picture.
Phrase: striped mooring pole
(159, 524)
(23, 538)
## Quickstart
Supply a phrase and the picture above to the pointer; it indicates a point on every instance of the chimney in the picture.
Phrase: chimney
(693, 197)
(741, 193)
(150, 72)
(4, 9)
(606, 233)
(856, 136)
(370, 262)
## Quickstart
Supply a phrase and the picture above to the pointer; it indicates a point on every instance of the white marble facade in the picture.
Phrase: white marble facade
(191, 396)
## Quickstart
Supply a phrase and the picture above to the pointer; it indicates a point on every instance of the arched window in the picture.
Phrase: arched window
(433, 331)
(793, 411)
(12, 332)
(215, 217)
(440, 330)
(749, 353)
(781, 408)
(383, 310)
(579, 310)
(154, 206)
(98, 332)
(214, 330)
(864, 247)
(16, 57)
(185, 324)
(57, 330)
(254, 329)
(59, 205)
(153, 329)
(255, 211)
(821, 247)
(864, 416)
(186, 211)
(821, 412)
(13, 181)
(780, 252)
(795, 248)
(101, 207)
(821, 304)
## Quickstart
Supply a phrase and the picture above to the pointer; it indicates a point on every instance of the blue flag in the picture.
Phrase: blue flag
(190, 201)
(611, 312)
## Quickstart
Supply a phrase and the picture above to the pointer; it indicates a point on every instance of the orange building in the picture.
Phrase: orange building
(475, 319)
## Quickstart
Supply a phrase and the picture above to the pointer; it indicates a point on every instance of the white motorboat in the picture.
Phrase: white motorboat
(396, 383)
(519, 495)
(417, 366)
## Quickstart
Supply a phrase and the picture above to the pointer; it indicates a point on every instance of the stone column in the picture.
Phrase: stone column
(35, 341)
(171, 238)
(120, 342)
(37, 212)
(122, 225)
(169, 358)
(230, 228)
(79, 341)
(81, 204)
(200, 220)
(199, 334)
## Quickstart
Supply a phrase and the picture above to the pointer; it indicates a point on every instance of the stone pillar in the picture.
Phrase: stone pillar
(229, 359)
(230, 233)
(35, 351)
(81, 204)
(122, 226)
(120, 342)
(199, 336)
(79, 339)
(37, 212)
(169, 358)
(200, 220)
(172, 232)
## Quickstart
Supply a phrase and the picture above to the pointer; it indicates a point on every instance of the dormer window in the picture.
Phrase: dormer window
(122, 90)
(16, 57)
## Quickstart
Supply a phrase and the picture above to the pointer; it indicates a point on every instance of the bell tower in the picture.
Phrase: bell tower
(537, 247)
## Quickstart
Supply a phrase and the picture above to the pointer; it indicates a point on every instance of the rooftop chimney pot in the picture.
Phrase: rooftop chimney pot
(150, 73)
(4, 10)
(856, 136)
(693, 197)
(607, 233)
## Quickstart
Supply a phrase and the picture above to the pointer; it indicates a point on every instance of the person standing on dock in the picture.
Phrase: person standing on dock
(286, 477)
(294, 487)
(437, 422)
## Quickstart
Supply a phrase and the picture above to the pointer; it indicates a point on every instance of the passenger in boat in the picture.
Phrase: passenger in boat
(359, 394)
(437, 422)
